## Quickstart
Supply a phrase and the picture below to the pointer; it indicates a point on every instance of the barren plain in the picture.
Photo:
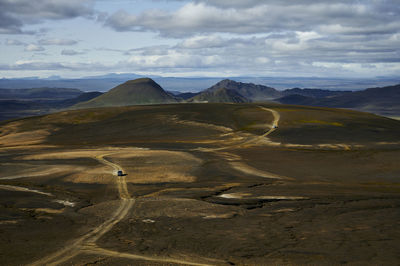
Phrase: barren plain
(203, 184)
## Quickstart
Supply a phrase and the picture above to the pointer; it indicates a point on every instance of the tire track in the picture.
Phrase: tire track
(253, 140)
(111, 253)
(87, 243)
(237, 164)
(90, 238)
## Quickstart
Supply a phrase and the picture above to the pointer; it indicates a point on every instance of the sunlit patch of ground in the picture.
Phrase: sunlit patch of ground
(11, 137)
(23, 189)
(155, 166)
(140, 165)
(246, 169)
(38, 171)
(175, 119)
(319, 122)
(45, 210)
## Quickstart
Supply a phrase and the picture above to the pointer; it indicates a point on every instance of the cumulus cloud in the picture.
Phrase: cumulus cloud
(14, 14)
(255, 17)
(271, 35)
(57, 41)
(33, 48)
(247, 37)
(197, 42)
(299, 53)
(175, 59)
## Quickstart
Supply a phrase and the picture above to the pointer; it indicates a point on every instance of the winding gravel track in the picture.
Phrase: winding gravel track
(87, 243)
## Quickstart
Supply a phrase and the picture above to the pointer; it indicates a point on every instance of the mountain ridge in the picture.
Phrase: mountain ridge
(380, 100)
(220, 95)
(250, 91)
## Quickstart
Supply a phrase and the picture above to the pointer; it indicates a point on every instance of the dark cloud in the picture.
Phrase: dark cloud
(14, 14)
(9, 24)
(307, 35)
(246, 37)
(254, 17)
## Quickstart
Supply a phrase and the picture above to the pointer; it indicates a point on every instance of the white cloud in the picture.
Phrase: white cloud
(251, 17)
(57, 41)
(33, 48)
(14, 42)
(247, 37)
(174, 59)
(197, 42)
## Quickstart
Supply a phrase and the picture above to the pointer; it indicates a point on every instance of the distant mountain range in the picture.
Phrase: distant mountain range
(195, 84)
(384, 101)
(39, 94)
(15, 103)
(23, 102)
(314, 93)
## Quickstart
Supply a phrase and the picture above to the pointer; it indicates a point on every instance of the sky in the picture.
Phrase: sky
(200, 38)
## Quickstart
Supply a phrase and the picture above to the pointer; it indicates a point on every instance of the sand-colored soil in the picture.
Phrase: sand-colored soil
(140, 165)
(23, 189)
(10, 135)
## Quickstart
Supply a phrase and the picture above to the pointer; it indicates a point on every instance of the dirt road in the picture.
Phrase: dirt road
(237, 163)
(274, 126)
(24, 189)
(275, 123)
(89, 240)
(87, 243)
(253, 140)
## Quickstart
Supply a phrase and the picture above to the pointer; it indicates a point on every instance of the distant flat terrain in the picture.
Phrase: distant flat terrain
(202, 184)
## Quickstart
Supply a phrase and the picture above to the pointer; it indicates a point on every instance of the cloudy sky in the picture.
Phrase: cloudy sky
(292, 38)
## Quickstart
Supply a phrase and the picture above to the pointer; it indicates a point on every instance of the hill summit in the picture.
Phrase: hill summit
(220, 95)
(133, 92)
(250, 91)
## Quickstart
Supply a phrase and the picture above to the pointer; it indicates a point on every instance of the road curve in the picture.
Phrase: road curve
(253, 140)
(275, 123)
(274, 126)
